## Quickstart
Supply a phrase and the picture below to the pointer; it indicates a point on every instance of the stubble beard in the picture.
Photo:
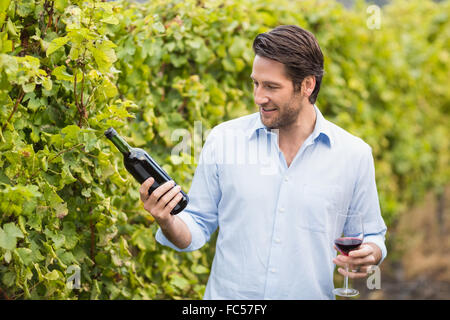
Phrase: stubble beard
(287, 115)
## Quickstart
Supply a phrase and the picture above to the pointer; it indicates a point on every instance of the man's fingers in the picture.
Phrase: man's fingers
(344, 260)
(353, 275)
(169, 195)
(370, 259)
(362, 256)
(151, 202)
(362, 251)
(173, 202)
(143, 190)
(366, 269)
(162, 189)
(356, 271)
(358, 267)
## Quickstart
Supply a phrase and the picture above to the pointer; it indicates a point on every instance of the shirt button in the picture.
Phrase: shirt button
(281, 210)
(277, 240)
(273, 270)
(286, 179)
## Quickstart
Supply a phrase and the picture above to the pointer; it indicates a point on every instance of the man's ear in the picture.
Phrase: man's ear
(308, 85)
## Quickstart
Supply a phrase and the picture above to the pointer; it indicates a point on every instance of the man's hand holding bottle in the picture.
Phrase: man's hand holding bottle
(159, 204)
(162, 200)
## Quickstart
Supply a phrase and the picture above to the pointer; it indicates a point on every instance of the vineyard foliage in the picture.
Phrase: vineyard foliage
(69, 69)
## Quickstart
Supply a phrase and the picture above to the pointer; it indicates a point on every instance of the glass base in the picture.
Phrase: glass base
(342, 292)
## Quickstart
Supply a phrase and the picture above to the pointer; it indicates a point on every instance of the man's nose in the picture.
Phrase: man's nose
(260, 97)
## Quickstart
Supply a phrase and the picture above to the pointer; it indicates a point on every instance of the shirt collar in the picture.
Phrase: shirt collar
(321, 129)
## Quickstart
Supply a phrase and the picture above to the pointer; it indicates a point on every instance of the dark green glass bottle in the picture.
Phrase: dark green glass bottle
(142, 166)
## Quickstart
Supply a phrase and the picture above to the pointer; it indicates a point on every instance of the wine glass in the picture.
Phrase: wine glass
(349, 235)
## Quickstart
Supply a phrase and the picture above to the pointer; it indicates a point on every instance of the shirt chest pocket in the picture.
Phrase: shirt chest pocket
(317, 207)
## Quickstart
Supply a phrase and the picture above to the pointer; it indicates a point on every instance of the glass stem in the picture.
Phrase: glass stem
(346, 280)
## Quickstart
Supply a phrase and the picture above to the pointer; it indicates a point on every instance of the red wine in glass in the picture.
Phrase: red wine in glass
(349, 224)
(347, 244)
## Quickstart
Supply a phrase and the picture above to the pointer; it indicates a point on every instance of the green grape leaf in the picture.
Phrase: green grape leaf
(8, 236)
(56, 44)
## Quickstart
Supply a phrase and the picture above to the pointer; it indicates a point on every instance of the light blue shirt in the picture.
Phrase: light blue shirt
(277, 223)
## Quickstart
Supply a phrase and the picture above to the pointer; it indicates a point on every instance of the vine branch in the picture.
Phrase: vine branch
(56, 156)
(79, 104)
(92, 231)
(64, 151)
(19, 100)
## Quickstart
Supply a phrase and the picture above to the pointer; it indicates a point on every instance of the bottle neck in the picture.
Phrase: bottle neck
(121, 144)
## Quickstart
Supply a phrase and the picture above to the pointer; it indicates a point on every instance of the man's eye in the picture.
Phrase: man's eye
(269, 87)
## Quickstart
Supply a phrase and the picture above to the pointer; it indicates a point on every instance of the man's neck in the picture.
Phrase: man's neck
(300, 129)
(291, 138)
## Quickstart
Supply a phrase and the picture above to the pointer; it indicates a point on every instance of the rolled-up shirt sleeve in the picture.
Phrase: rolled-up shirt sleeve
(365, 200)
(200, 215)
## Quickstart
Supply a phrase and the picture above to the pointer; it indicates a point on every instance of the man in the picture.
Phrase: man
(273, 182)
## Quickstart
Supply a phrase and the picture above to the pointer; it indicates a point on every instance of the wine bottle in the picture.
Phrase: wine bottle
(142, 166)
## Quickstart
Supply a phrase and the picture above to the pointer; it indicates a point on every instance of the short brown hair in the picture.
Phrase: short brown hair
(297, 49)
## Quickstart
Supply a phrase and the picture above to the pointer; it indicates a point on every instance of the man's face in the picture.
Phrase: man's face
(279, 105)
